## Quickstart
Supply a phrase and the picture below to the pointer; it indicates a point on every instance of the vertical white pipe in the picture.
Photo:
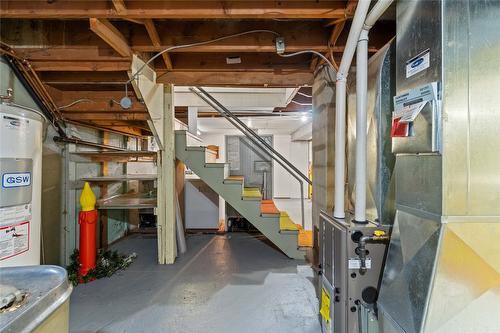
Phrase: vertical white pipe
(361, 126)
(340, 109)
(361, 109)
(340, 100)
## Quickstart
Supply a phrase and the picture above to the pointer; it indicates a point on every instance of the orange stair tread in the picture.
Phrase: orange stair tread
(305, 238)
(268, 207)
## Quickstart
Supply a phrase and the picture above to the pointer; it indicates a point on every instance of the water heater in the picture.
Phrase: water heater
(21, 137)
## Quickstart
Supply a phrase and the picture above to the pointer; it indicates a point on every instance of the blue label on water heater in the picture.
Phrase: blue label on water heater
(16, 179)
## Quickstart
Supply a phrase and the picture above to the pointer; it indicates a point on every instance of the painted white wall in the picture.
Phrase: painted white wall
(285, 185)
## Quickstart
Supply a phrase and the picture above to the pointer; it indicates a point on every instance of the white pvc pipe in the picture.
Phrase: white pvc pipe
(361, 111)
(340, 100)
(378, 9)
(361, 126)
(340, 106)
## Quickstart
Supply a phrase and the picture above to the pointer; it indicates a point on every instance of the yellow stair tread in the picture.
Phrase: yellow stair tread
(286, 223)
(235, 178)
(305, 238)
(251, 192)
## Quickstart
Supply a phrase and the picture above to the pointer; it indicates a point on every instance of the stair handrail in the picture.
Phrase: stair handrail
(256, 139)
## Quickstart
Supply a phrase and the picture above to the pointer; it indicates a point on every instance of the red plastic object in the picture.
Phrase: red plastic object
(399, 129)
(88, 222)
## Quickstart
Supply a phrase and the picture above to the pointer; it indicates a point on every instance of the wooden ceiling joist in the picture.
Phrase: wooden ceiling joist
(248, 79)
(119, 6)
(150, 28)
(94, 115)
(104, 29)
(155, 39)
(138, 9)
(80, 66)
(121, 130)
(74, 62)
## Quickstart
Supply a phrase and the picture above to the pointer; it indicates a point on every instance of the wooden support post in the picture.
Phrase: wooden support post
(104, 193)
(167, 246)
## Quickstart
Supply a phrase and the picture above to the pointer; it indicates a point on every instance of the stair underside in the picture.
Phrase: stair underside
(263, 214)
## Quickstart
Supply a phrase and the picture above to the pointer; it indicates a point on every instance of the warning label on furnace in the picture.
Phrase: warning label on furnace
(14, 239)
(15, 214)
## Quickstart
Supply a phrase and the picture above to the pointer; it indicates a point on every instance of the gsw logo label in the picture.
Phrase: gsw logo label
(16, 179)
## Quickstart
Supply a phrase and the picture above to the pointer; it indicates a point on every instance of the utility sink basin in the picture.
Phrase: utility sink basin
(34, 299)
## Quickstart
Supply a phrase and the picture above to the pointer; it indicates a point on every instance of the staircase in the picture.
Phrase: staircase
(274, 224)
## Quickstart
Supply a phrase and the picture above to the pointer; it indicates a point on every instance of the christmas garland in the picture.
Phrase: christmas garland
(107, 263)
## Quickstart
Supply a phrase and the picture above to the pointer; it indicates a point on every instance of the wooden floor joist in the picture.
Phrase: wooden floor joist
(138, 9)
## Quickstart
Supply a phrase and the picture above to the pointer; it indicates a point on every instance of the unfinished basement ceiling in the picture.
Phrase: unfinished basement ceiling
(83, 49)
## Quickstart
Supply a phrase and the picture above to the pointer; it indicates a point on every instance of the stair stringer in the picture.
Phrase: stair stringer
(214, 175)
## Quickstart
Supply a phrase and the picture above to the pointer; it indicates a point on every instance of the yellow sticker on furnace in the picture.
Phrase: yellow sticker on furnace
(325, 305)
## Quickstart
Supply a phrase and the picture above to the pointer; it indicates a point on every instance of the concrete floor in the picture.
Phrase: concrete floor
(292, 207)
(230, 283)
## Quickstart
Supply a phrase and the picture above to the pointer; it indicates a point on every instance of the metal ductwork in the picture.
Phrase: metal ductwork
(432, 181)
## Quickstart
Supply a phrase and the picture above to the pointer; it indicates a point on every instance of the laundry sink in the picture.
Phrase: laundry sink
(34, 299)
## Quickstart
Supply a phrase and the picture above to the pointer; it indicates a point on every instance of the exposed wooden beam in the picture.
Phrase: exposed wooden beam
(122, 130)
(350, 8)
(66, 9)
(150, 28)
(121, 123)
(69, 53)
(103, 80)
(249, 62)
(120, 6)
(314, 63)
(80, 66)
(298, 36)
(249, 79)
(96, 101)
(337, 30)
(124, 115)
(104, 29)
(74, 36)
(337, 21)
(88, 77)
(155, 39)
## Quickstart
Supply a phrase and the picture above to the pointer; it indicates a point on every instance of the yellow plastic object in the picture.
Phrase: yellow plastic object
(325, 305)
(379, 233)
(305, 238)
(87, 198)
(286, 223)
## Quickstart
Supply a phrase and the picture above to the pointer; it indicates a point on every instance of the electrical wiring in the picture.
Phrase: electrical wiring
(287, 55)
(301, 104)
(75, 102)
(302, 94)
(134, 75)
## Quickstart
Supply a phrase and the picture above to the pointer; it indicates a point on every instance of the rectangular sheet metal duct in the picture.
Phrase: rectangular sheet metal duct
(443, 265)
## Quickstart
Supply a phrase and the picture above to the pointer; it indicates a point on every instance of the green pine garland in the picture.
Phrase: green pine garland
(107, 263)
